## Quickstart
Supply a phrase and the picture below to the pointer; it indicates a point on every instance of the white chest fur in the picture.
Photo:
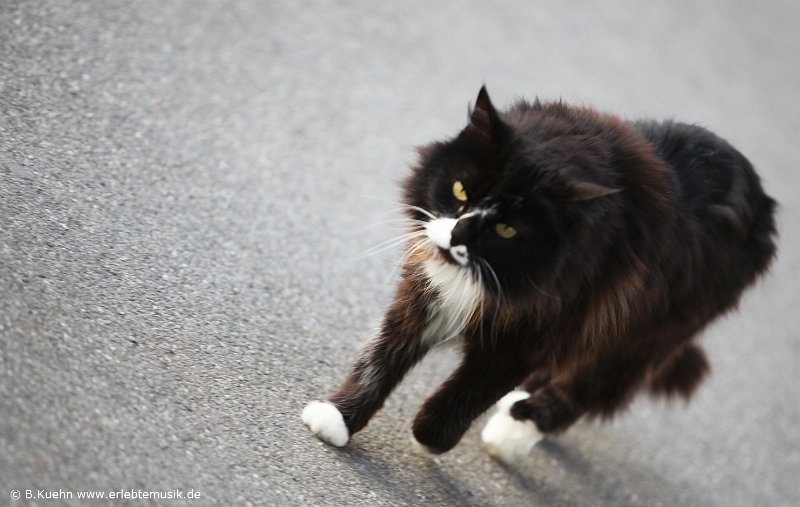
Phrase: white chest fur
(459, 297)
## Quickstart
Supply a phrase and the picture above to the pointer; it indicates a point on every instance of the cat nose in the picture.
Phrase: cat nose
(466, 229)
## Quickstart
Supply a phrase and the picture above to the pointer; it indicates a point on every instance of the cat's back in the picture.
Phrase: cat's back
(710, 177)
(708, 170)
(719, 197)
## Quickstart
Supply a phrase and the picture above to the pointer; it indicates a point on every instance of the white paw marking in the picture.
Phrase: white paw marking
(326, 422)
(506, 438)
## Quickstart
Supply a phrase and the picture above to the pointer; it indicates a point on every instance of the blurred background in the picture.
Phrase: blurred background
(185, 190)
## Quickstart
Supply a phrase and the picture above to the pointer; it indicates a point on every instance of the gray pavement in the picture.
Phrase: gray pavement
(184, 188)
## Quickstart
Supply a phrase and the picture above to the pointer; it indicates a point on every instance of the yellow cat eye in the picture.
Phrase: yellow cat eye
(505, 231)
(459, 192)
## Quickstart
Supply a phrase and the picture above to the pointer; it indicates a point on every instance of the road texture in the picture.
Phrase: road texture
(184, 193)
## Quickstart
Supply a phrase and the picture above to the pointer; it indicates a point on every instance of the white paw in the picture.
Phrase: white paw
(326, 422)
(506, 438)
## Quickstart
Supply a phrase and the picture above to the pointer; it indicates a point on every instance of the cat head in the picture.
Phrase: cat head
(516, 193)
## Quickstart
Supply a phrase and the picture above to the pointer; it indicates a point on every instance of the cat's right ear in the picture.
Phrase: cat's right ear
(485, 125)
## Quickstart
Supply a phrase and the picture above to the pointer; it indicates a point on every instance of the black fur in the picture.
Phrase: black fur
(631, 238)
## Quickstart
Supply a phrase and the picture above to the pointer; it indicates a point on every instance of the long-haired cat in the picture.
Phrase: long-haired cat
(567, 253)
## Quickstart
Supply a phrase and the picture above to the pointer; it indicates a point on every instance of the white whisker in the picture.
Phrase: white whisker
(403, 206)
(499, 298)
(480, 317)
(390, 243)
(421, 210)
(405, 222)
(413, 247)
(542, 291)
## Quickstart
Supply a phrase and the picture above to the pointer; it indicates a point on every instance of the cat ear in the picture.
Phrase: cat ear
(484, 121)
(586, 191)
(584, 186)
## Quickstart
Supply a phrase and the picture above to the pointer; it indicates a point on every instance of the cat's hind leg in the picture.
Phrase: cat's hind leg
(607, 386)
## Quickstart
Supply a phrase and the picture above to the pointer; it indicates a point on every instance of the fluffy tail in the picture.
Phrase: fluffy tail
(681, 374)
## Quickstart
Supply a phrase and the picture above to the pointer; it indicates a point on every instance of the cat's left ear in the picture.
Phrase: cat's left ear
(485, 124)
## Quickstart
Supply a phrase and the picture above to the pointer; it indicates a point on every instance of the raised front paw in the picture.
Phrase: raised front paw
(326, 422)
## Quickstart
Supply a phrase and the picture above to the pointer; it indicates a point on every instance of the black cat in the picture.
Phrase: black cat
(567, 252)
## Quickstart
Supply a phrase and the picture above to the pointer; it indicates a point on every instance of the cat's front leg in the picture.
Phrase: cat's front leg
(480, 380)
(379, 368)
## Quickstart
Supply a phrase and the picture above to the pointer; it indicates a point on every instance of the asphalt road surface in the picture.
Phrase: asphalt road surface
(185, 190)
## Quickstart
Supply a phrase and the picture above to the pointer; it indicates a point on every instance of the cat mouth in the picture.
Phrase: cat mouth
(456, 255)
(439, 233)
